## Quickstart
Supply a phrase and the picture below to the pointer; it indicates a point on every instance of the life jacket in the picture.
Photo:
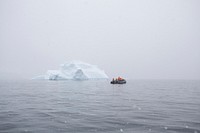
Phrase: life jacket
(119, 78)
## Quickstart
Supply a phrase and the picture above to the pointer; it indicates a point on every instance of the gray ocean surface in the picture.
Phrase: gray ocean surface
(140, 106)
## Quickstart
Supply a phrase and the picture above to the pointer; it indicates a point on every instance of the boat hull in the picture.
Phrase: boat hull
(118, 82)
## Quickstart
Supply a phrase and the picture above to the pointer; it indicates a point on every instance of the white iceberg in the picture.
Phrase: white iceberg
(74, 70)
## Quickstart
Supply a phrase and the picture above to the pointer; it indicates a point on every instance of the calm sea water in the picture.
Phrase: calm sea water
(140, 106)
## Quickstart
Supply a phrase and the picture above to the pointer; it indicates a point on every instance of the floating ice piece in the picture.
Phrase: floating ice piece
(74, 70)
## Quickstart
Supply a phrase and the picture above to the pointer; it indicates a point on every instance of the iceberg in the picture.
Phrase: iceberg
(74, 70)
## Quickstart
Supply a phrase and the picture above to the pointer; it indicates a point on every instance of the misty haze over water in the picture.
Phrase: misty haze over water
(135, 39)
(154, 45)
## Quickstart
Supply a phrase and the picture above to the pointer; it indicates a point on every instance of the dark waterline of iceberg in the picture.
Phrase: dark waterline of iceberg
(167, 106)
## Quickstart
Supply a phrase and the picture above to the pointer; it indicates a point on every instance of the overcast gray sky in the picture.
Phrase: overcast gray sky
(135, 39)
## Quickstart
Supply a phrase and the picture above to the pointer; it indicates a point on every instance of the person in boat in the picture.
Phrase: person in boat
(119, 78)
(113, 80)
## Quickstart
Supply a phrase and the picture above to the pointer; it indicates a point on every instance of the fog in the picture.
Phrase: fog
(135, 39)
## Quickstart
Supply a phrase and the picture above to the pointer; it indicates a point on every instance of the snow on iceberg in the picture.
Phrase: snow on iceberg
(74, 70)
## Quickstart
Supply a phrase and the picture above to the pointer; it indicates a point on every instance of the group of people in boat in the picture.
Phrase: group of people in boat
(118, 80)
